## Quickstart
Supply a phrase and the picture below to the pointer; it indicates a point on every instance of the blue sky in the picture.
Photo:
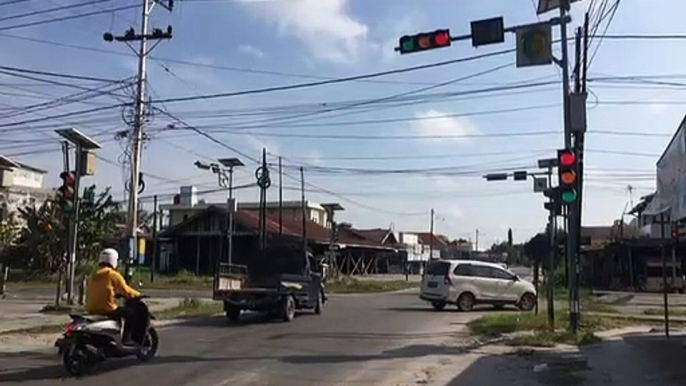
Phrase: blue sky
(305, 40)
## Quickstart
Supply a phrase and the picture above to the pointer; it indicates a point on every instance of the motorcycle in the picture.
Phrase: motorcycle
(91, 339)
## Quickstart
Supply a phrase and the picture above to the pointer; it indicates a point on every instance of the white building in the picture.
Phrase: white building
(186, 204)
(20, 185)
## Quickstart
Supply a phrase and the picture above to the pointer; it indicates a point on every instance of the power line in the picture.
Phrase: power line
(48, 10)
(10, 2)
(71, 17)
(334, 81)
(62, 75)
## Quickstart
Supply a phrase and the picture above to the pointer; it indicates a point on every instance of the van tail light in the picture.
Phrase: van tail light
(448, 280)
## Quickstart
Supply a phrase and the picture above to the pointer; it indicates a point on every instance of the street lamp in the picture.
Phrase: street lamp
(225, 181)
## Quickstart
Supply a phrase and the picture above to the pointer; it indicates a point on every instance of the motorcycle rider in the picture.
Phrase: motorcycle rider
(104, 284)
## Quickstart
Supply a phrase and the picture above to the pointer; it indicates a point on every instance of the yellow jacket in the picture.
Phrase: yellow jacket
(103, 285)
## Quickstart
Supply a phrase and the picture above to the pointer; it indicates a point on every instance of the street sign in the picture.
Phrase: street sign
(489, 31)
(577, 106)
(548, 5)
(534, 45)
(540, 184)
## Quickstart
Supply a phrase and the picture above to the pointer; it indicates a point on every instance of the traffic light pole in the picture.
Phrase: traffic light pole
(573, 209)
(550, 288)
(74, 225)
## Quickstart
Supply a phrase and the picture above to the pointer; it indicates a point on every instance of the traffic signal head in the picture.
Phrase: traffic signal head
(568, 180)
(424, 41)
(67, 191)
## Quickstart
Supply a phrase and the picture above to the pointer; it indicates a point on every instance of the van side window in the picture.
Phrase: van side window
(463, 270)
(500, 274)
(481, 271)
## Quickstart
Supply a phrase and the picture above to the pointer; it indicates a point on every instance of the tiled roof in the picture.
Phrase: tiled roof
(290, 227)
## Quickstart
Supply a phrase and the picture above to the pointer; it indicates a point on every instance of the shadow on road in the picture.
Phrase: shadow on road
(367, 336)
(429, 309)
(410, 351)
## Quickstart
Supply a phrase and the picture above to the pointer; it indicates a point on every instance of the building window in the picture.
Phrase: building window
(314, 217)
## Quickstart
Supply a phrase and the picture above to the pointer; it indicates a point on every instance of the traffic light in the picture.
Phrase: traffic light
(534, 45)
(554, 204)
(424, 41)
(568, 180)
(67, 191)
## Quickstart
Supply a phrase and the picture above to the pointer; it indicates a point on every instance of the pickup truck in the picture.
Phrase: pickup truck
(277, 282)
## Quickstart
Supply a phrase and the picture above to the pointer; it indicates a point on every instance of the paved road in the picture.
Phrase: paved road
(360, 340)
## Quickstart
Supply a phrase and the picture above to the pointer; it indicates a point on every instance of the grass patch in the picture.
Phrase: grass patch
(61, 309)
(533, 330)
(45, 329)
(660, 311)
(347, 284)
(181, 280)
(191, 307)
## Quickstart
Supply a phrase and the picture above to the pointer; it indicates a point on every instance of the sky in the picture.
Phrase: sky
(410, 142)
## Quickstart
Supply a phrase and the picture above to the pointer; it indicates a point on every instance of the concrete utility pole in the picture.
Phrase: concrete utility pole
(431, 236)
(139, 114)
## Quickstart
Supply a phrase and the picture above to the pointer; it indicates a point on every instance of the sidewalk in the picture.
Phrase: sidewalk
(18, 314)
(629, 357)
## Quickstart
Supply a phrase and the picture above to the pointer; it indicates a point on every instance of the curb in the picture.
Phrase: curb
(353, 294)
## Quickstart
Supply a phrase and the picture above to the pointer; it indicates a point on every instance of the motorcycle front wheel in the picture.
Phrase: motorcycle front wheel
(150, 344)
(76, 360)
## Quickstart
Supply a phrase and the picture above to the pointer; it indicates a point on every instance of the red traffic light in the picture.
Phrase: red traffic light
(566, 158)
(442, 38)
(68, 178)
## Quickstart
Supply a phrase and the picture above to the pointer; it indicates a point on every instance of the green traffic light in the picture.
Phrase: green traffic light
(407, 45)
(568, 196)
(67, 206)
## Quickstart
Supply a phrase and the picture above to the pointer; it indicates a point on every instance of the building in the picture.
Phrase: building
(186, 204)
(197, 243)
(20, 185)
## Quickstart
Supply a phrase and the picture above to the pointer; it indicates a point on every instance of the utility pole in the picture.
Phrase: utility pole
(280, 198)
(476, 243)
(139, 113)
(155, 246)
(304, 209)
(665, 294)
(431, 236)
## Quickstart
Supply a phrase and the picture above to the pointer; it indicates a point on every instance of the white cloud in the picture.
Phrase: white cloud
(249, 49)
(323, 26)
(434, 123)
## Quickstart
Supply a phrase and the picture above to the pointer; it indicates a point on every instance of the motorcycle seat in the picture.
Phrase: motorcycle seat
(88, 317)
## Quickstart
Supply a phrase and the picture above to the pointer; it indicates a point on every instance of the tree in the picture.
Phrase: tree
(9, 230)
(42, 241)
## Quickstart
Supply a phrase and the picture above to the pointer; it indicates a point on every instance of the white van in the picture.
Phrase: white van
(467, 283)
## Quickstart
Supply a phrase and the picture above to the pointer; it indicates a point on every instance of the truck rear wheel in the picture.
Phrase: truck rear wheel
(233, 313)
(318, 306)
(288, 308)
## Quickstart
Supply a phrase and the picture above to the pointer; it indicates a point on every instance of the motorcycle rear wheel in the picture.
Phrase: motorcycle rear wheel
(76, 360)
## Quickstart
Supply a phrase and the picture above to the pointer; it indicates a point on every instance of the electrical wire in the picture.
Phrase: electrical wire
(333, 81)
(49, 10)
(62, 75)
(71, 17)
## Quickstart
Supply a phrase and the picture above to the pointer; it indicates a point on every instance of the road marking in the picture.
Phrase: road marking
(243, 378)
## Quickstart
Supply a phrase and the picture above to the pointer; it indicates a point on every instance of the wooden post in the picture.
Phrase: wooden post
(3, 278)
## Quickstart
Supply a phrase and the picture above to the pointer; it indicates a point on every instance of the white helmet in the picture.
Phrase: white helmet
(109, 256)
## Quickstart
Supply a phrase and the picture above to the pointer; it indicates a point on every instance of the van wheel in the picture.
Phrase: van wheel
(527, 302)
(438, 306)
(465, 302)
